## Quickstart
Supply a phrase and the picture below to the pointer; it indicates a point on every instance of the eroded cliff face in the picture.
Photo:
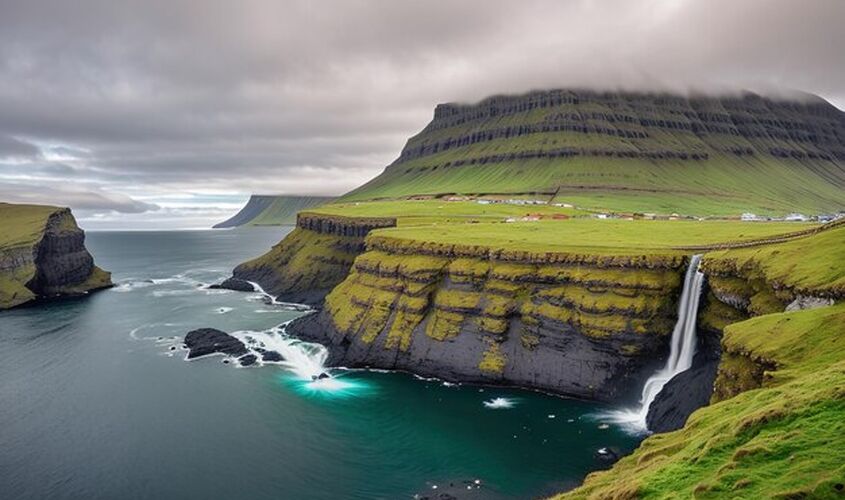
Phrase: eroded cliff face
(583, 326)
(314, 258)
(54, 263)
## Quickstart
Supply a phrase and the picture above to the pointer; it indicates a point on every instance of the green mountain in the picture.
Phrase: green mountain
(641, 152)
(272, 210)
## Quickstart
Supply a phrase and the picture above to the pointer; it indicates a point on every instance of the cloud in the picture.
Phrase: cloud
(91, 200)
(147, 99)
(14, 149)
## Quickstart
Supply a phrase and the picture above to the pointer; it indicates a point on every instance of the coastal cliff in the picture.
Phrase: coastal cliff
(43, 255)
(583, 326)
(310, 261)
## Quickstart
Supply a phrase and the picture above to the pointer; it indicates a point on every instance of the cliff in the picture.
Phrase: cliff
(773, 426)
(312, 259)
(568, 324)
(272, 210)
(630, 152)
(42, 255)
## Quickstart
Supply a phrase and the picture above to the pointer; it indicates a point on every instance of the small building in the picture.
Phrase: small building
(796, 217)
(748, 216)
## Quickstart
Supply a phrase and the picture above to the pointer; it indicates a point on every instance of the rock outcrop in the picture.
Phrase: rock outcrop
(43, 255)
(312, 259)
(205, 341)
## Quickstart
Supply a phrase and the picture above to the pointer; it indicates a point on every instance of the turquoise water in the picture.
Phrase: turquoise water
(95, 404)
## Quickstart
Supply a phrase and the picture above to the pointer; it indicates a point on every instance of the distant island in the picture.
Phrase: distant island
(272, 210)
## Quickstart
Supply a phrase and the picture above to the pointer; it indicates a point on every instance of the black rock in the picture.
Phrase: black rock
(271, 356)
(608, 455)
(248, 360)
(686, 391)
(235, 284)
(207, 341)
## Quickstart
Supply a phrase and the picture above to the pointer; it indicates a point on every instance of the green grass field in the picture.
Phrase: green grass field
(612, 236)
(417, 212)
(22, 224)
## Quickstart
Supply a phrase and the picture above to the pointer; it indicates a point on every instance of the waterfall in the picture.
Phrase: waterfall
(682, 350)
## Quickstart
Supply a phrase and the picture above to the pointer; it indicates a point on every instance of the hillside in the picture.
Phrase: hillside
(640, 152)
(43, 254)
(272, 210)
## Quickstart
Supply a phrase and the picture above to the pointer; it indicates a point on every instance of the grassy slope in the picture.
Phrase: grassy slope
(268, 210)
(784, 440)
(611, 236)
(813, 263)
(724, 184)
(22, 224)
(283, 209)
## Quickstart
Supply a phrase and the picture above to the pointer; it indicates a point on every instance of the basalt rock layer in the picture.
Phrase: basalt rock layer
(697, 154)
(43, 255)
(310, 261)
(572, 325)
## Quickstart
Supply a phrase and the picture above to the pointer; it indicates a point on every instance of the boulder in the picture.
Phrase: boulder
(205, 341)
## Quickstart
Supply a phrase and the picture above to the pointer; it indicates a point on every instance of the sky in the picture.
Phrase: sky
(169, 114)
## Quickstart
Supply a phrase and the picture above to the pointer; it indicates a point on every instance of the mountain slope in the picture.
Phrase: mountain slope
(270, 210)
(630, 151)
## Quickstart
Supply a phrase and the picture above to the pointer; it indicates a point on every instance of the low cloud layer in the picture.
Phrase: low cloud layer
(121, 107)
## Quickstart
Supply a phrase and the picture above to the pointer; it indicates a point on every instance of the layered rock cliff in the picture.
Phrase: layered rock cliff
(579, 325)
(312, 259)
(43, 255)
(694, 154)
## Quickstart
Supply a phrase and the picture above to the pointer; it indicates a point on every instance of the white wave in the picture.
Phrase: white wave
(500, 403)
(128, 286)
(224, 310)
(270, 299)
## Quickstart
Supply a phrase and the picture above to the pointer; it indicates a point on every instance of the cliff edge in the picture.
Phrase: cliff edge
(43, 255)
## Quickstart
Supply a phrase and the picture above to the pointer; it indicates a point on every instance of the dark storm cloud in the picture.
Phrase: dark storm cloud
(151, 98)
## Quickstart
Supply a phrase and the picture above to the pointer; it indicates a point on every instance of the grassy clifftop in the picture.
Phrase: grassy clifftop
(42, 254)
(630, 152)
(782, 440)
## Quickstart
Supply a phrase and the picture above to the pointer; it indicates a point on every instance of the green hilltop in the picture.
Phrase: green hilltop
(636, 152)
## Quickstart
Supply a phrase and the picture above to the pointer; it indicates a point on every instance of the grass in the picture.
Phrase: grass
(22, 224)
(595, 236)
(722, 184)
(283, 209)
(422, 212)
(813, 263)
(783, 440)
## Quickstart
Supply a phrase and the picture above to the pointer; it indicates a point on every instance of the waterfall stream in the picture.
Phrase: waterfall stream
(682, 350)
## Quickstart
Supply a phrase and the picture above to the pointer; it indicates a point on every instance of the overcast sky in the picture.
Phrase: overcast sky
(169, 114)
